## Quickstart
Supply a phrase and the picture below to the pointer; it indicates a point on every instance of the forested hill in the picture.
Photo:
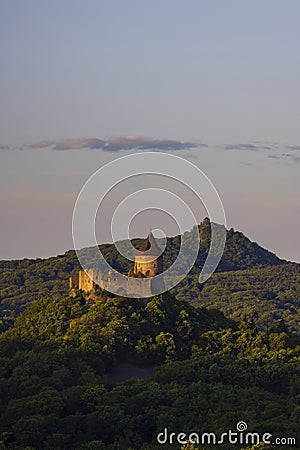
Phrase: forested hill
(241, 253)
(22, 281)
(205, 374)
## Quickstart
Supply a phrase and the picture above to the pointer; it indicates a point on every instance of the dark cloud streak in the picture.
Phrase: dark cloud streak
(252, 147)
(293, 147)
(285, 156)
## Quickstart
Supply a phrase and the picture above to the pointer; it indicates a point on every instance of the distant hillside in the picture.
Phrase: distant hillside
(241, 253)
(22, 281)
(264, 295)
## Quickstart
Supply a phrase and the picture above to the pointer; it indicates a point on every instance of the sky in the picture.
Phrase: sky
(214, 82)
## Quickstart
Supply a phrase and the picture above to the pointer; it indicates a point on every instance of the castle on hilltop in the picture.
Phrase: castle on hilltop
(146, 266)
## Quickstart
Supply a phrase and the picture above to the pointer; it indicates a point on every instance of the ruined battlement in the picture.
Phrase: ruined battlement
(148, 263)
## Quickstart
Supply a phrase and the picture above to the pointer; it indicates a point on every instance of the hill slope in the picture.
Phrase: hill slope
(23, 281)
(56, 391)
(264, 295)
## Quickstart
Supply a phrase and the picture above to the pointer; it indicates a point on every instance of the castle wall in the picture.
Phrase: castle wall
(129, 286)
(119, 285)
(146, 264)
(92, 279)
(74, 281)
(85, 280)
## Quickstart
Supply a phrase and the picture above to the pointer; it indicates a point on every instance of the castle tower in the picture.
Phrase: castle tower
(149, 264)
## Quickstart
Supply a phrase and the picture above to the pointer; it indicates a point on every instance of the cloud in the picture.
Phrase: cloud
(116, 144)
(286, 157)
(270, 150)
(252, 147)
(70, 144)
(142, 143)
(4, 147)
(256, 146)
(293, 147)
(267, 147)
(40, 144)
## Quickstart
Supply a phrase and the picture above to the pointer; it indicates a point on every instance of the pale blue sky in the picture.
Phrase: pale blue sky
(223, 73)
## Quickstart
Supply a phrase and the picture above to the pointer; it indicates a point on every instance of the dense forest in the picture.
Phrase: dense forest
(205, 373)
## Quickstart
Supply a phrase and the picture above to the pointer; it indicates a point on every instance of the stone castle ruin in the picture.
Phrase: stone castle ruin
(146, 266)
